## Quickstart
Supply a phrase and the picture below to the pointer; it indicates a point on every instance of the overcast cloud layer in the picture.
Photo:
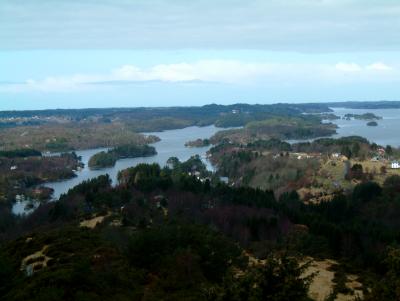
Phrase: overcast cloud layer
(97, 53)
(289, 25)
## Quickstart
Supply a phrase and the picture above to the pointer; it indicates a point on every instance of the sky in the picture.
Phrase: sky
(129, 53)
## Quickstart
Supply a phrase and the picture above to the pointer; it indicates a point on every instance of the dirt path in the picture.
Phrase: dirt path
(93, 222)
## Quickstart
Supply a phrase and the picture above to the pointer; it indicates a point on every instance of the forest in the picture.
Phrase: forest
(162, 233)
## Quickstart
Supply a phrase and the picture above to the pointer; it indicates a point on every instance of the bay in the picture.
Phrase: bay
(172, 144)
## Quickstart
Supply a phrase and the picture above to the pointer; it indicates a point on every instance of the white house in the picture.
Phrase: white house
(395, 165)
(335, 155)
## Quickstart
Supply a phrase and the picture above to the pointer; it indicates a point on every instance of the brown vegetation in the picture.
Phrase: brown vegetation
(56, 137)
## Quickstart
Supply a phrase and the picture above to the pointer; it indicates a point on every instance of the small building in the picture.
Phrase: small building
(395, 165)
(14, 167)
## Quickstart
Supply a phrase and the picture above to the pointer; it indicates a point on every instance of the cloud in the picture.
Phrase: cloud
(225, 71)
(232, 72)
(296, 25)
(379, 67)
(348, 67)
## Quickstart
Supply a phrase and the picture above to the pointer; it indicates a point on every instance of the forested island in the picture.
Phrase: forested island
(198, 143)
(107, 159)
(372, 123)
(328, 116)
(299, 127)
(365, 116)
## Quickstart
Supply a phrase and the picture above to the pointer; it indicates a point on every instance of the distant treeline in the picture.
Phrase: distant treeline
(144, 113)
(21, 153)
(211, 109)
(384, 104)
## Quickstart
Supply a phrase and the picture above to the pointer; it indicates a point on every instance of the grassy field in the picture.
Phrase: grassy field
(331, 177)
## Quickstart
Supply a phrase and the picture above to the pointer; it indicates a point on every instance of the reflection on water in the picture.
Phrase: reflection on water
(172, 144)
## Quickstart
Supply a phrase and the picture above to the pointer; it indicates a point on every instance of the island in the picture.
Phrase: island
(102, 159)
(278, 127)
(198, 143)
(328, 116)
(105, 159)
(372, 123)
(365, 116)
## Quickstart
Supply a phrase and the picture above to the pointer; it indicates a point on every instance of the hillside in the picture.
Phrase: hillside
(162, 232)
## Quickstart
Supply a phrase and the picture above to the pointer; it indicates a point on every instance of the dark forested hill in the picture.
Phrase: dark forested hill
(163, 234)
